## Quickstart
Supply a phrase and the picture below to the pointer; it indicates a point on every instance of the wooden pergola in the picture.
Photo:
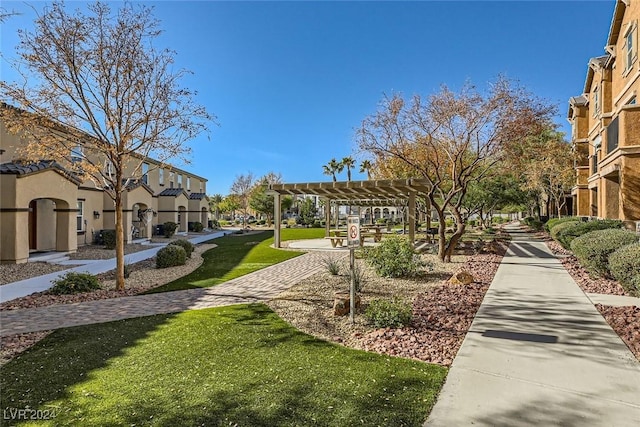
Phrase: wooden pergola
(391, 192)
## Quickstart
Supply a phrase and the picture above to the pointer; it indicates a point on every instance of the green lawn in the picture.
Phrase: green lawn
(239, 365)
(237, 255)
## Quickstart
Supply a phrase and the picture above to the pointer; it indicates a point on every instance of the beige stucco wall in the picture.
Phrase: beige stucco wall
(8, 142)
(93, 201)
(625, 83)
(630, 188)
(55, 228)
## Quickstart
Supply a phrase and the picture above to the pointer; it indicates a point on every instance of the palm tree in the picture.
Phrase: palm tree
(348, 162)
(215, 201)
(332, 168)
(366, 166)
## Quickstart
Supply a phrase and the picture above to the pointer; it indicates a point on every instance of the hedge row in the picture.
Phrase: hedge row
(603, 247)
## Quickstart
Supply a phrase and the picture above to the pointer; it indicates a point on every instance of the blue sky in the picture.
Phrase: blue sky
(290, 81)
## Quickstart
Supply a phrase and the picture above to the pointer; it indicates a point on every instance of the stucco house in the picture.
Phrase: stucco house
(45, 207)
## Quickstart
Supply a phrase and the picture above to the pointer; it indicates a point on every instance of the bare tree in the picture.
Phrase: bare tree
(450, 139)
(99, 97)
(241, 188)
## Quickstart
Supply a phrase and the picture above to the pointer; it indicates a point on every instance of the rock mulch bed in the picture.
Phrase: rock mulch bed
(442, 312)
(626, 322)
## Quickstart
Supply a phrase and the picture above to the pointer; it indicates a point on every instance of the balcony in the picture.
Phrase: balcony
(582, 176)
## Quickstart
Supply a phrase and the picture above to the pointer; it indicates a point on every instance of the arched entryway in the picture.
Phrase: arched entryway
(142, 216)
(48, 225)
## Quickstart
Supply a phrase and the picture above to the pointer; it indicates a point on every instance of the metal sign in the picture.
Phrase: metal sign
(353, 231)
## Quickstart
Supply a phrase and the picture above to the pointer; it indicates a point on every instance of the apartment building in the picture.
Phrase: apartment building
(44, 207)
(605, 121)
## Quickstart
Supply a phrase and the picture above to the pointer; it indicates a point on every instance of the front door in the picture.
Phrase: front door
(33, 225)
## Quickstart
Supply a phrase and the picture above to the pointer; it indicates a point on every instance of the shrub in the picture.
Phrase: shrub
(74, 283)
(197, 227)
(317, 224)
(566, 236)
(170, 256)
(555, 221)
(185, 244)
(332, 265)
(394, 257)
(170, 228)
(388, 314)
(558, 228)
(358, 276)
(593, 249)
(624, 265)
(109, 239)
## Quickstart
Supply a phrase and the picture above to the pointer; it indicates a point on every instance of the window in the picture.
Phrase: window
(179, 181)
(161, 176)
(80, 216)
(145, 173)
(201, 186)
(632, 101)
(188, 183)
(108, 170)
(170, 179)
(630, 47)
(596, 101)
(76, 153)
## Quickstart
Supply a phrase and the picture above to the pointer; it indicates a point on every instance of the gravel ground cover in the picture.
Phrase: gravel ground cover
(442, 312)
(10, 273)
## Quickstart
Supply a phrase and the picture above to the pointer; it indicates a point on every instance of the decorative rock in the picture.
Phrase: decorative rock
(342, 302)
(461, 278)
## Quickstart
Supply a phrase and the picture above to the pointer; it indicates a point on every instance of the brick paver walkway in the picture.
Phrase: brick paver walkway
(258, 286)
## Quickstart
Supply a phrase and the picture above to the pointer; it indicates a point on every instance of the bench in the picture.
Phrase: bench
(336, 241)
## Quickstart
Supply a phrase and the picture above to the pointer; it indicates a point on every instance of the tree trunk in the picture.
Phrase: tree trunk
(119, 241)
(460, 227)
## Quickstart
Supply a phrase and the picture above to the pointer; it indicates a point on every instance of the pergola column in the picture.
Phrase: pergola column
(412, 217)
(327, 217)
(277, 219)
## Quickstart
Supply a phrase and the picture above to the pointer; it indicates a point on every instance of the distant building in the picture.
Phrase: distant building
(605, 121)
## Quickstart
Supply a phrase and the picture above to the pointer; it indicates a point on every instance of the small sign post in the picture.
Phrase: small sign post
(353, 241)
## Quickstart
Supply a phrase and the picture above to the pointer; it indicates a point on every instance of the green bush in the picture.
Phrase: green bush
(197, 227)
(624, 265)
(109, 239)
(74, 283)
(388, 314)
(170, 228)
(394, 257)
(558, 228)
(185, 244)
(566, 236)
(170, 256)
(593, 249)
(533, 223)
(555, 221)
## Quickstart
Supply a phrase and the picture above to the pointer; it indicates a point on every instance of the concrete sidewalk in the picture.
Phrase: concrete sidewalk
(26, 287)
(539, 354)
